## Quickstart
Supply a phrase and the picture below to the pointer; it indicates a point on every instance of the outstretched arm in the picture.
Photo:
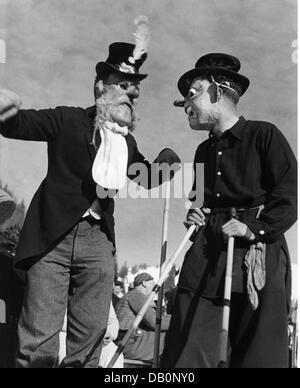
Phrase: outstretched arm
(150, 175)
(41, 125)
(10, 104)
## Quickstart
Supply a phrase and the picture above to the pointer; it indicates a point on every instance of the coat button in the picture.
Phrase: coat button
(218, 195)
(219, 173)
(220, 153)
(261, 232)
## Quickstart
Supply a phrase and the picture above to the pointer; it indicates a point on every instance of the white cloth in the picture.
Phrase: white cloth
(107, 354)
(255, 262)
(113, 323)
(110, 165)
(109, 350)
(94, 210)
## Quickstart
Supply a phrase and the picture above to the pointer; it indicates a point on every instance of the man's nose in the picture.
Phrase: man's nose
(133, 91)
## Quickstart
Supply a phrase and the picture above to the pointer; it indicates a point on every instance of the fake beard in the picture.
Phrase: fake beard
(114, 117)
(114, 105)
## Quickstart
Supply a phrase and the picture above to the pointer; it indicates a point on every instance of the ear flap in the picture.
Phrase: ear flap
(213, 91)
(99, 88)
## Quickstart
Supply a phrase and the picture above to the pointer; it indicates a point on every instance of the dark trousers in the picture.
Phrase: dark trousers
(76, 276)
(257, 339)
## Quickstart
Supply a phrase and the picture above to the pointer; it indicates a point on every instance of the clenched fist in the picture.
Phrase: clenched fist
(197, 217)
(10, 104)
(235, 228)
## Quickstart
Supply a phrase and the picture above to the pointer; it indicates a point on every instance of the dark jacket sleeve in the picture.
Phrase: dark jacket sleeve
(280, 181)
(137, 301)
(139, 169)
(151, 175)
(34, 125)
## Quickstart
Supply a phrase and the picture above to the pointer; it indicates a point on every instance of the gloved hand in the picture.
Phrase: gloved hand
(10, 104)
(171, 159)
(167, 156)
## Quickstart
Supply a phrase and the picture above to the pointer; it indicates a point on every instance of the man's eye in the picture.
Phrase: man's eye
(123, 85)
(192, 93)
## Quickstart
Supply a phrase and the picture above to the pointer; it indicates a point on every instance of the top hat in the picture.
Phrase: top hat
(121, 60)
(214, 64)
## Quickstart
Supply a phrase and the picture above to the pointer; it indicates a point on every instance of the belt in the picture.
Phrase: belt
(217, 210)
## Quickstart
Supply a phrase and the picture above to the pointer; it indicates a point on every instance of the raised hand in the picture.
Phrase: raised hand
(197, 217)
(10, 104)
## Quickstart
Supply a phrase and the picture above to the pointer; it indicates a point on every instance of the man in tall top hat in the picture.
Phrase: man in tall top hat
(249, 166)
(67, 242)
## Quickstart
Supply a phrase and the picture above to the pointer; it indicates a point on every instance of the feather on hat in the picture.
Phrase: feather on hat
(127, 58)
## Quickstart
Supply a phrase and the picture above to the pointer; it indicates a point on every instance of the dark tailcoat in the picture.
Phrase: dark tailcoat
(68, 189)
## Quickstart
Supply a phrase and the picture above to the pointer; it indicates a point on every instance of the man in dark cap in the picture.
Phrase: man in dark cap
(140, 345)
(67, 242)
(249, 166)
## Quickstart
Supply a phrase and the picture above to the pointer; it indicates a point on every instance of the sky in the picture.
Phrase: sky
(53, 47)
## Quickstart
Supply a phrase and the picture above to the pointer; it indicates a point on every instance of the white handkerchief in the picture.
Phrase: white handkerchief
(110, 165)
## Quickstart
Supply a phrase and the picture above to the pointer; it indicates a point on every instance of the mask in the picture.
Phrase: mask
(114, 105)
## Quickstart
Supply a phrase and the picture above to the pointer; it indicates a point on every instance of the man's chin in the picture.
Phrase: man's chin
(196, 126)
(122, 120)
(123, 123)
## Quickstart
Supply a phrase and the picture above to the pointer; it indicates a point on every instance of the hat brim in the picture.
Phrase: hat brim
(104, 67)
(186, 79)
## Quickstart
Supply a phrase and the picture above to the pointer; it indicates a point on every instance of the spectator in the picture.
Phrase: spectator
(118, 292)
(140, 345)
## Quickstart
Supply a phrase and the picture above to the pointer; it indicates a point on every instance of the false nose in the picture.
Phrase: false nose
(133, 91)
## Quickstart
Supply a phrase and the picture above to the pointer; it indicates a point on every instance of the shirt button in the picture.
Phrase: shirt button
(218, 195)
(261, 232)
(220, 153)
(219, 173)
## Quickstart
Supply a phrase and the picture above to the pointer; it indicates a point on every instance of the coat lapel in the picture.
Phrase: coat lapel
(89, 124)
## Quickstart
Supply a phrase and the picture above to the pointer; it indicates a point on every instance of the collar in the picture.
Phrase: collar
(91, 111)
(236, 130)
